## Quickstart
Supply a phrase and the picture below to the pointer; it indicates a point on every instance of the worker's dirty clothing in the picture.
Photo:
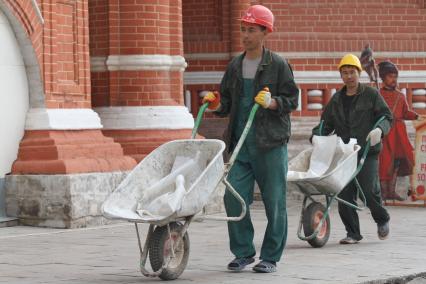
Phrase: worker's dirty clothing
(366, 107)
(368, 179)
(263, 156)
(273, 126)
(269, 168)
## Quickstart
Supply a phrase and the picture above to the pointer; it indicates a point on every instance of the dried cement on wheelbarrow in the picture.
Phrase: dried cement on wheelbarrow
(188, 170)
(327, 153)
(167, 194)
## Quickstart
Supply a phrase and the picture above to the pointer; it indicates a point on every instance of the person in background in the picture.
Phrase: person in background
(396, 158)
(352, 112)
(259, 76)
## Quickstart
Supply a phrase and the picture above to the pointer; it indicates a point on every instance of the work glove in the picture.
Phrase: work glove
(375, 136)
(264, 98)
(213, 98)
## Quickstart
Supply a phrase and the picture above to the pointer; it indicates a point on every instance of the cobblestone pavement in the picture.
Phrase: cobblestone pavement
(109, 254)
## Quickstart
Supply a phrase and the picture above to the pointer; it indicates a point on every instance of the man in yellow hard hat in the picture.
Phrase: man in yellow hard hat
(352, 113)
(257, 76)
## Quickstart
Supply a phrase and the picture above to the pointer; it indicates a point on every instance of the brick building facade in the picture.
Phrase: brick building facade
(107, 82)
(312, 36)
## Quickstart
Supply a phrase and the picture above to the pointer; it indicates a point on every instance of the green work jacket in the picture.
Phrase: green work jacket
(272, 126)
(366, 109)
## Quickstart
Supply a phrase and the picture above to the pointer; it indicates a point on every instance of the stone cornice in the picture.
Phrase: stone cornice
(208, 56)
(152, 117)
(310, 55)
(62, 119)
(303, 77)
(138, 62)
(98, 63)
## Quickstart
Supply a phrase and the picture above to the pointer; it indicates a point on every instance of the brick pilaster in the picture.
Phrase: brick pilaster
(143, 66)
(62, 63)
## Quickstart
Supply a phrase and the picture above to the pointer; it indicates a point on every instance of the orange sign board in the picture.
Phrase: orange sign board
(418, 179)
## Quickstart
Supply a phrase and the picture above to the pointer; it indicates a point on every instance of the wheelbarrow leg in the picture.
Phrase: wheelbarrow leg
(299, 229)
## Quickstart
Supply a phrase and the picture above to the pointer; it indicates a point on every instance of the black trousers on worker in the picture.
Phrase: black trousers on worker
(368, 178)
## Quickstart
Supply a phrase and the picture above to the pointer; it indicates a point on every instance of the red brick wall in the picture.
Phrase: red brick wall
(100, 89)
(210, 16)
(62, 49)
(204, 20)
(143, 27)
(146, 88)
(322, 26)
(136, 28)
(346, 25)
(99, 30)
(103, 40)
(307, 26)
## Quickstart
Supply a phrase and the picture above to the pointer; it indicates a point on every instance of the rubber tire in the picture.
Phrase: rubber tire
(157, 249)
(309, 224)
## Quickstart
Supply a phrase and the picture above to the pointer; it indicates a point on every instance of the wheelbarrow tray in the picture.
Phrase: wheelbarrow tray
(330, 183)
(122, 203)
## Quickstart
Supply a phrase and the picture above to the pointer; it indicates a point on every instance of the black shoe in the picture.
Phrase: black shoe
(239, 264)
(265, 266)
(383, 231)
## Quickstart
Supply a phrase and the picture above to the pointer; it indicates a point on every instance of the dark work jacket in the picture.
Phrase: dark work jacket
(366, 109)
(272, 126)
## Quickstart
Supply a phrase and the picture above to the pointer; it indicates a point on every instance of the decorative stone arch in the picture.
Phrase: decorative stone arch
(23, 30)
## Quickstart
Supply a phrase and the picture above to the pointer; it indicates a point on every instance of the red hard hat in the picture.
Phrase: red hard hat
(260, 15)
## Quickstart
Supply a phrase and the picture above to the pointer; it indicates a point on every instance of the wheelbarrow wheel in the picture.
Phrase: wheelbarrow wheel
(159, 250)
(311, 218)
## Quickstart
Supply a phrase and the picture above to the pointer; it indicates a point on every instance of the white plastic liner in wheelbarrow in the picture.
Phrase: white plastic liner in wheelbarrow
(325, 168)
(175, 180)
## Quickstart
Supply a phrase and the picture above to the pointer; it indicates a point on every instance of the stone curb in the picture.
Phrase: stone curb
(416, 278)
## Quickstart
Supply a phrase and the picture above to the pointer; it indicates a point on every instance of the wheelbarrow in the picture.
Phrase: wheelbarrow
(156, 180)
(314, 217)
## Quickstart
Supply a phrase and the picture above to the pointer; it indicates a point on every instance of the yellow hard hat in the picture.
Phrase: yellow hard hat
(352, 60)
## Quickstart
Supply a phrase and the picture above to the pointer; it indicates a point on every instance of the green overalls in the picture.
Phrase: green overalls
(269, 169)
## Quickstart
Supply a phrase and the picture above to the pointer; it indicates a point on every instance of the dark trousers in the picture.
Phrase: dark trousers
(368, 178)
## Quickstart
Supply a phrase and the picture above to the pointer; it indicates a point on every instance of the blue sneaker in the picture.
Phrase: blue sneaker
(239, 264)
(265, 266)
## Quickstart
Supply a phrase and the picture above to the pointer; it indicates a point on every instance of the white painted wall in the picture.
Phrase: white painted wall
(14, 98)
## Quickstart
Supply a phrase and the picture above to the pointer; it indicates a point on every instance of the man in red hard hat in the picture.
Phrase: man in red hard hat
(257, 76)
